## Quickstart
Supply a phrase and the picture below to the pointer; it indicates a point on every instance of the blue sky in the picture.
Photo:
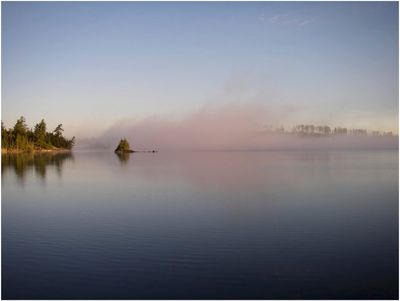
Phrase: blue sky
(89, 65)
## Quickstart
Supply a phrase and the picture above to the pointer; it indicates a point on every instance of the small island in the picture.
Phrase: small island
(123, 147)
(20, 138)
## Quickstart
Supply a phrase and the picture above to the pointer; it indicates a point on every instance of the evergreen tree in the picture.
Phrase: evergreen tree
(20, 135)
(4, 137)
(20, 127)
(58, 131)
(40, 134)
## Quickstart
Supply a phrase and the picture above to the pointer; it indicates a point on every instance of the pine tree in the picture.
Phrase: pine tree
(40, 134)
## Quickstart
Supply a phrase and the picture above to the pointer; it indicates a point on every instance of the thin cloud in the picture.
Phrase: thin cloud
(262, 17)
(286, 19)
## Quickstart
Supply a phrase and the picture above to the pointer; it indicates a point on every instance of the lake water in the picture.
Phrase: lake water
(200, 225)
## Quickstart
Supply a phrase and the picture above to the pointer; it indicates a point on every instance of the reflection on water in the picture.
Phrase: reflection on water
(201, 225)
(22, 163)
(123, 157)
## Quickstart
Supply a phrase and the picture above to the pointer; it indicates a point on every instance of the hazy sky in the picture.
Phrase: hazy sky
(91, 65)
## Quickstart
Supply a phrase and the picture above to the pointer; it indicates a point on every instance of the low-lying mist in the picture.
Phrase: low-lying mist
(229, 127)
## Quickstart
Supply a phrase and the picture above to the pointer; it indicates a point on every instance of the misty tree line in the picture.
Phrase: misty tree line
(313, 130)
(20, 137)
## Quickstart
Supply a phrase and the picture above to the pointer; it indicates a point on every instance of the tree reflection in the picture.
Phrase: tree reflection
(21, 163)
(123, 157)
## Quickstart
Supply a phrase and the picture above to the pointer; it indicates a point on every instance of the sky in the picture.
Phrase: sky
(93, 66)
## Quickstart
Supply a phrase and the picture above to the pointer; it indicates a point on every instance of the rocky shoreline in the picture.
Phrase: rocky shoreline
(19, 151)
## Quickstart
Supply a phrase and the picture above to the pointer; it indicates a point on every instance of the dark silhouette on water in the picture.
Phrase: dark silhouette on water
(123, 148)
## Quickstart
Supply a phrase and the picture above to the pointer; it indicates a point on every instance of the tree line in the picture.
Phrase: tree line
(313, 130)
(20, 137)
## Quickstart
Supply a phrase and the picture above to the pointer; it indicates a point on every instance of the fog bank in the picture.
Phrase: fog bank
(229, 127)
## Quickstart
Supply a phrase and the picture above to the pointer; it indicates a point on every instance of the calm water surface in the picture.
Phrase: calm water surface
(200, 225)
